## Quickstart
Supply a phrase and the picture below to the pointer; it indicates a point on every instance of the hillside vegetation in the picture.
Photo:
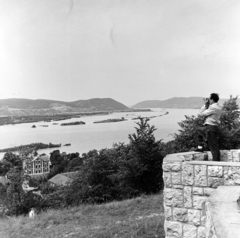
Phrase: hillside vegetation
(176, 102)
(141, 217)
(14, 106)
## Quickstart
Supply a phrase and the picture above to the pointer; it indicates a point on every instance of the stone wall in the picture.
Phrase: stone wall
(189, 179)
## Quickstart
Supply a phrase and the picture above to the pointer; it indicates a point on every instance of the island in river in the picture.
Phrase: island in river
(32, 146)
(73, 123)
(111, 120)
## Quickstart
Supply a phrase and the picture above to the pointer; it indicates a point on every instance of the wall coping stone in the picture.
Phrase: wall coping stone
(179, 157)
(225, 211)
(217, 163)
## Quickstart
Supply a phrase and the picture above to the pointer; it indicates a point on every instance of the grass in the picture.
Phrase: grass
(140, 217)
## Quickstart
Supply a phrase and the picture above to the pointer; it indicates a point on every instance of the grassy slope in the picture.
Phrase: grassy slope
(141, 217)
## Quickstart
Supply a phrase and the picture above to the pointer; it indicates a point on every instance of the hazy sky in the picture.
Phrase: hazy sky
(129, 50)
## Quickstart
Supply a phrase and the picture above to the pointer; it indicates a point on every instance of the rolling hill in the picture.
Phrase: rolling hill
(176, 102)
(19, 106)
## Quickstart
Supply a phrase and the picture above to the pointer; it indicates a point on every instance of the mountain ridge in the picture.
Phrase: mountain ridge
(23, 103)
(175, 102)
(23, 106)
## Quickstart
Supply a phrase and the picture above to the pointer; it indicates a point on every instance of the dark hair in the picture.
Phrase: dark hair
(214, 97)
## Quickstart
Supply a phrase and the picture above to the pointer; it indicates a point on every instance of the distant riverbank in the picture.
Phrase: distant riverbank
(32, 146)
(7, 120)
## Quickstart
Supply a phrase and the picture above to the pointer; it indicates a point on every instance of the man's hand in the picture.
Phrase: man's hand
(207, 102)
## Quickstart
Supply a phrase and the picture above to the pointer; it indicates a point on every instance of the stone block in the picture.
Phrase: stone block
(173, 229)
(224, 155)
(180, 214)
(198, 201)
(189, 231)
(203, 217)
(230, 156)
(178, 186)
(167, 179)
(215, 171)
(176, 178)
(197, 191)
(201, 232)
(200, 175)
(187, 174)
(172, 167)
(235, 155)
(209, 155)
(231, 175)
(194, 217)
(188, 157)
(215, 182)
(208, 191)
(173, 197)
(200, 156)
(209, 227)
(187, 194)
(168, 212)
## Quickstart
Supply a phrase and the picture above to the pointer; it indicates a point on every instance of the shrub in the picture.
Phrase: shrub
(121, 172)
(229, 137)
(146, 160)
(94, 182)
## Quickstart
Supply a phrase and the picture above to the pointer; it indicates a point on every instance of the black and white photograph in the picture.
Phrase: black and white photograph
(119, 119)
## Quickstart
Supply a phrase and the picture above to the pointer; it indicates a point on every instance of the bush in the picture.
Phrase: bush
(146, 160)
(229, 137)
(121, 172)
(95, 182)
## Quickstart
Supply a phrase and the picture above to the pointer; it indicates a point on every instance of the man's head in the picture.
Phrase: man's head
(213, 98)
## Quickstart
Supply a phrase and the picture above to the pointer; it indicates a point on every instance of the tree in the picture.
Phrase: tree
(19, 201)
(145, 166)
(230, 125)
(229, 137)
(96, 181)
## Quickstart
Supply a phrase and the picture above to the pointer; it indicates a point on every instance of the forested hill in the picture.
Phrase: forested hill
(94, 104)
(176, 102)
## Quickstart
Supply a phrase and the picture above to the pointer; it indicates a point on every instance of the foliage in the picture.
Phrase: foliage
(146, 175)
(17, 200)
(229, 137)
(185, 140)
(55, 157)
(94, 182)
(9, 161)
(62, 163)
(121, 172)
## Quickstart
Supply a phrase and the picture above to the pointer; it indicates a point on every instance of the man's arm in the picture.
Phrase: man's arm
(203, 108)
(206, 112)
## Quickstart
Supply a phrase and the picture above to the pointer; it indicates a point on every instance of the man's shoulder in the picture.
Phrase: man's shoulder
(215, 106)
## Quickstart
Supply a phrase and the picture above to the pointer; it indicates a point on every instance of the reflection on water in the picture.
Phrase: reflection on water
(91, 136)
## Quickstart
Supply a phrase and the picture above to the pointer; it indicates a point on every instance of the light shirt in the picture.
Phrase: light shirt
(212, 114)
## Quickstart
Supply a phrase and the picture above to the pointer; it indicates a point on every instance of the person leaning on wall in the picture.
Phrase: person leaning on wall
(210, 129)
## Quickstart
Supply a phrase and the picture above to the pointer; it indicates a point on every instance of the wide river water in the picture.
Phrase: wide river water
(91, 135)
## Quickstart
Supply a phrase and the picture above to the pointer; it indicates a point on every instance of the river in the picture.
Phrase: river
(91, 136)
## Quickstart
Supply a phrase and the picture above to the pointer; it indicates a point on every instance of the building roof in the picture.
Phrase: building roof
(45, 158)
(71, 175)
(60, 180)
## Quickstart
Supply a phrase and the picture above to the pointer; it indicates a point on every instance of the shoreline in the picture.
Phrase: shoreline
(13, 120)
(32, 146)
